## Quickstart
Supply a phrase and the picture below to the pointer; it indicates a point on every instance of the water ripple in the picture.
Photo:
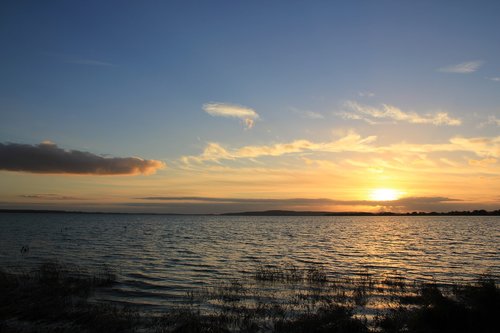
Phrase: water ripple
(159, 258)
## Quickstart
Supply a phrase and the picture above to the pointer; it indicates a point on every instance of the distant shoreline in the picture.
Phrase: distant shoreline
(269, 213)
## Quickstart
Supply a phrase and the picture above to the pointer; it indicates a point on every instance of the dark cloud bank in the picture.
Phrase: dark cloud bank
(49, 196)
(223, 205)
(50, 159)
(212, 205)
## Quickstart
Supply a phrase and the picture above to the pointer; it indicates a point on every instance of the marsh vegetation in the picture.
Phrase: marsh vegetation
(58, 298)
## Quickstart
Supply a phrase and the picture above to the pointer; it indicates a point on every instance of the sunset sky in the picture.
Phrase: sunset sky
(223, 106)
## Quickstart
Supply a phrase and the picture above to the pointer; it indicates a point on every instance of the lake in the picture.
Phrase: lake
(159, 258)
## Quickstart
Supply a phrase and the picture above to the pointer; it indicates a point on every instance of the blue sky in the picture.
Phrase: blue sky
(129, 78)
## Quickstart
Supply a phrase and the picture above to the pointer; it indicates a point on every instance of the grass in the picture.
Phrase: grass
(56, 298)
(466, 308)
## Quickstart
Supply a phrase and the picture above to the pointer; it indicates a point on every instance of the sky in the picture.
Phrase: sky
(226, 106)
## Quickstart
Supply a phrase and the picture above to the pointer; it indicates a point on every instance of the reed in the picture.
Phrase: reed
(56, 298)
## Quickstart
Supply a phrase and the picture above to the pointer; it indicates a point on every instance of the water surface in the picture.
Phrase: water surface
(159, 258)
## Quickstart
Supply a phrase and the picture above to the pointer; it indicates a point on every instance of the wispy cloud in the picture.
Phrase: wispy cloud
(308, 114)
(492, 120)
(49, 196)
(352, 142)
(463, 68)
(371, 114)
(496, 79)
(366, 94)
(246, 114)
(215, 152)
(48, 158)
(480, 146)
(484, 162)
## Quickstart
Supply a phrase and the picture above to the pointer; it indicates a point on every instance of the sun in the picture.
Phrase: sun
(384, 194)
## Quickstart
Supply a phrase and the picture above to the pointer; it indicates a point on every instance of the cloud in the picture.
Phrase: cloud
(223, 205)
(308, 114)
(49, 196)
(366, 94)
(370, 114)
(496, 79)
(462, 68)
(300, 201)
(247, 115)
(215, 152)
(492, 120)
(351, 142)
(483, 163)
(312, 115)
(480, 146)
(207, 205)
(237, 200)
(48, 158)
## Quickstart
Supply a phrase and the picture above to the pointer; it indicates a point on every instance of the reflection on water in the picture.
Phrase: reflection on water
(159, 258)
